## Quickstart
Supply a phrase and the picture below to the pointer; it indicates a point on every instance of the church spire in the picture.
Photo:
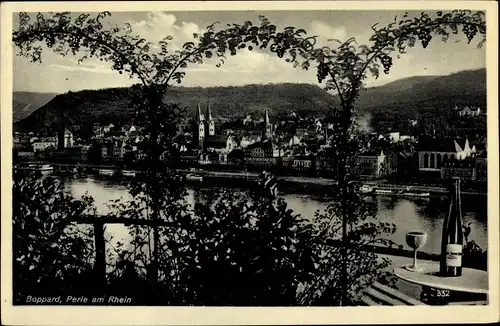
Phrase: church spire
(268, 127)
(209, 121)
(199, 116)
(209, 112)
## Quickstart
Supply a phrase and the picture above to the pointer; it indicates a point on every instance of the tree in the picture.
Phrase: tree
(161, 189)
(344, 70)
(51, 255)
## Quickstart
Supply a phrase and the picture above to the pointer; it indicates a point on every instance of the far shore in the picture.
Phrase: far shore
(294, 180)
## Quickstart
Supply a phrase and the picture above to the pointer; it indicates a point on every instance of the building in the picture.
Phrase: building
(221, 143)
(393, 136)
(370, 164)
(468, 111)
(119, 148)
(294, 141)
(107, 129)
(129, 130)
(287, 161)
(247, 120)
(249, 139)
(301, 132)
(318, 125)
(303, 163)
(114, 149)
(204, 126)
(236, 157)
(390, 163)
(106, 151)
(397, 136)
(433, 153)
(376, 164)
(98, 130)
(264, 153)
(481, 168)
(21, 142)
(322, 162)
(189, 158)
(268, 127)
(44, 143)
(208, 157)
(464, 169)
(65, 139)
(264, 148)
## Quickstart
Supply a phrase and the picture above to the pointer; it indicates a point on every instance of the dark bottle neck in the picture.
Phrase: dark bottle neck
(455, 193)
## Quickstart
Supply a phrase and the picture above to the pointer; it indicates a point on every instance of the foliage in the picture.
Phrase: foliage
(272, 277)
(344, 69)
(51, 255)
(474, 256)
(363, 267)
(229, 250)
(434, 116)
(88, 37)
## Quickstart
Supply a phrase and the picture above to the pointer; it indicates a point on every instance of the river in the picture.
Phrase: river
(407, 214)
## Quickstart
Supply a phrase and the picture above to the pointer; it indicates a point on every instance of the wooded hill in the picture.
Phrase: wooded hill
(399, 100)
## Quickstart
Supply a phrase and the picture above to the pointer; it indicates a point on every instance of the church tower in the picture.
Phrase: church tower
(210, 123)
(199, 128)
(268, 127)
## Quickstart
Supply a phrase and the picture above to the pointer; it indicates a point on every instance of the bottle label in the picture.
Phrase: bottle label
(454, 255)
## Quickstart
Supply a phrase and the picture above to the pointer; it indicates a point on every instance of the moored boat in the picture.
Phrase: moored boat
(416, 194)
(384, 192)
(106, 172)
(366, 189)
(193, 177)
(44, 168)
(128, 173)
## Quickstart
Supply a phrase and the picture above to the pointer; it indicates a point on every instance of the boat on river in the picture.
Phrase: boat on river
(366, 189)
(128, 173)
(43, 168)
(416, 194)
(106, 172)
(194, 177)
(386, 192)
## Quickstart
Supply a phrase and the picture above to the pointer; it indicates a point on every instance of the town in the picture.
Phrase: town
(252, 158)
(289, 145)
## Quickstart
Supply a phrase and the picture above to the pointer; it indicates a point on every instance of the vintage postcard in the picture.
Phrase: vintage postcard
(267, 162)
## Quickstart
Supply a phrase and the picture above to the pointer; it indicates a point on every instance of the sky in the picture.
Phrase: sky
(62, 74)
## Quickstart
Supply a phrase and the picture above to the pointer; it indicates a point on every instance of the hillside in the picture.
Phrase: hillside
(399, 100)
(461, 85)
(432, 97)
(25, 103)
(111, 105)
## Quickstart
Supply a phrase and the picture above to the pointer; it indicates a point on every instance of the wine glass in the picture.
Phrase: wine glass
(416, 240)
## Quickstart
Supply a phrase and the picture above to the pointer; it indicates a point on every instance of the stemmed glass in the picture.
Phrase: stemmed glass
(416, 240)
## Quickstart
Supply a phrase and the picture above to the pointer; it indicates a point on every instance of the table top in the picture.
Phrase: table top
(471, 280)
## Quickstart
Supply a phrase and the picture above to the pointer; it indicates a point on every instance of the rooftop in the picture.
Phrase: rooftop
(449, 145)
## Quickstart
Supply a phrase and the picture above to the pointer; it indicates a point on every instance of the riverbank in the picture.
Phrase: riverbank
(396, 188)
(255, 176)
(300, 181)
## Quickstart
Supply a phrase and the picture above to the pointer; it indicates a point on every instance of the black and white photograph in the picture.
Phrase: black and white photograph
(250, 154)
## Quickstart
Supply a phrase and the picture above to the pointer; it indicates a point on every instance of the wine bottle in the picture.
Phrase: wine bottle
(452, 237)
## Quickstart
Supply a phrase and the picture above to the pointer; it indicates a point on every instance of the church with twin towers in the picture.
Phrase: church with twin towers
(204, 127)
